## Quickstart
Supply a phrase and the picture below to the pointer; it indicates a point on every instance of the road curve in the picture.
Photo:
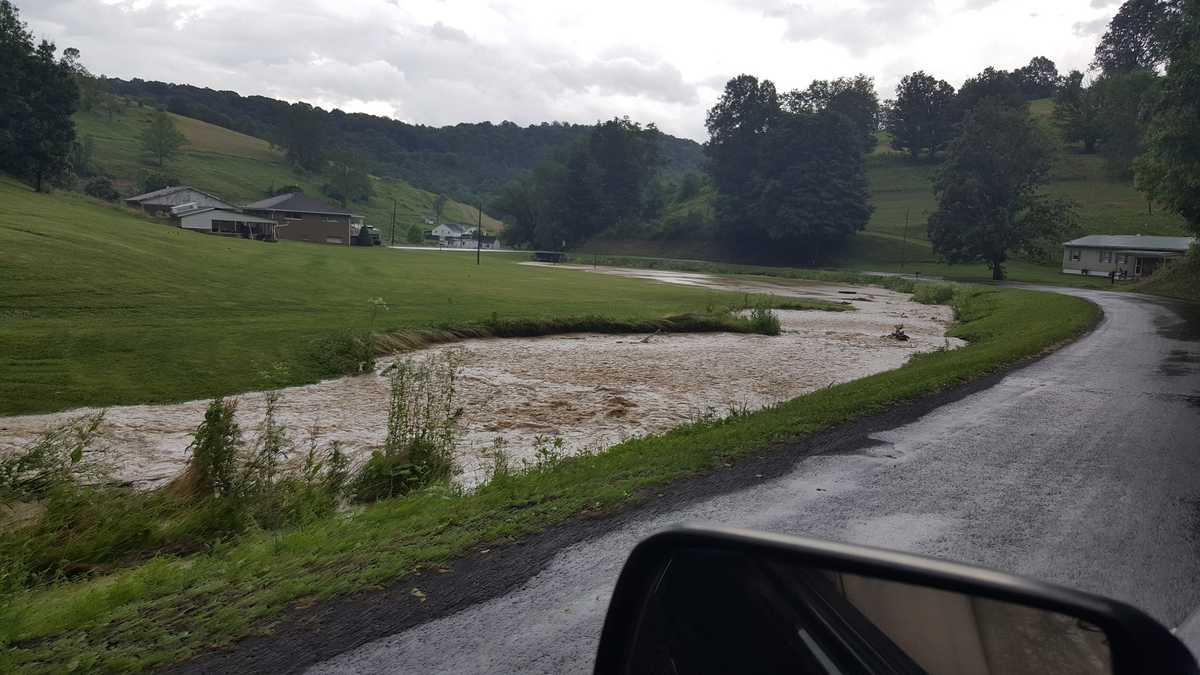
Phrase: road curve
(1082, 468)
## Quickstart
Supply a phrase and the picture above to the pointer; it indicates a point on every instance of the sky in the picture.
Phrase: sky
(440, 62)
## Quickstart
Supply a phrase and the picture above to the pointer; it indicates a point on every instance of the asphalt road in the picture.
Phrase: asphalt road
(1082, 468)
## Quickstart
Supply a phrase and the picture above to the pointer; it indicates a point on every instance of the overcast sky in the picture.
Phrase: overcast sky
(445, 61)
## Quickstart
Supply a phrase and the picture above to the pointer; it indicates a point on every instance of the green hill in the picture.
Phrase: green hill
(242, 169)
(100, 306)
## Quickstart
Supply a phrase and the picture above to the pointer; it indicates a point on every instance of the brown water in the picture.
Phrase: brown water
(590, 391)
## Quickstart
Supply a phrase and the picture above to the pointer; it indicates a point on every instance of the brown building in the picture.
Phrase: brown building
(300, 218)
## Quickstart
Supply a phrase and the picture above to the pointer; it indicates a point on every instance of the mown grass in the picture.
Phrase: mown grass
(170, 608)
(242, 168)
(100, 307)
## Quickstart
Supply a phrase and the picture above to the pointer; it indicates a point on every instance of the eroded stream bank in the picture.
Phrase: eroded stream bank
(590, 391)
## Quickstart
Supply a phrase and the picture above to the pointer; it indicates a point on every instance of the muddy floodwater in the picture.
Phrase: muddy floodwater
(590, 391)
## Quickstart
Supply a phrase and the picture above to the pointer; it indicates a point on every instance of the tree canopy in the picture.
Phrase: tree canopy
(1039, 79)
(790, 183)
(161, 140)
(1077, 112)
(921, 118)
(853, 97)
(37, 98)
(1138, 37)
(988, 200)
(1169, 171)
(992, 84)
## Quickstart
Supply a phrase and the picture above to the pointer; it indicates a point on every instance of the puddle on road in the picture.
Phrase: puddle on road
(589, 390)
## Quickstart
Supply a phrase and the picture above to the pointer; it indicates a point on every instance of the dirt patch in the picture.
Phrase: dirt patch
(588, 391)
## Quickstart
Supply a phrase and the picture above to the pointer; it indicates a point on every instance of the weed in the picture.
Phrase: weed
(421, 429)
(764, 321)
(934, 294)
(54, 459)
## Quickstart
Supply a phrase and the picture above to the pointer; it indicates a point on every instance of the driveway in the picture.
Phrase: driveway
(1081, 469)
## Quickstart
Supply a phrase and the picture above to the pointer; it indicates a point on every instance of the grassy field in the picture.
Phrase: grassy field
(99, 306)
(242, 169)
(169, 608)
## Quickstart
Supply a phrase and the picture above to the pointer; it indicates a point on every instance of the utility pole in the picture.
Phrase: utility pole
(904, 250)
(393, 221)
(479, 234)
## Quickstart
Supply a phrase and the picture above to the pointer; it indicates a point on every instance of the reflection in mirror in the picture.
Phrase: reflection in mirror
(724, 611)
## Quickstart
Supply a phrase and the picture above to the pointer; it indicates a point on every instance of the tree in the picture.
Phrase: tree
(1139, 36)
(921, 118)
(348, 180)
(160, 139)
(414, 235)
(1169, 170)
(998, 85)
(1126, 102)
(1039, 79)
(738, 126)
(988, 204)
(814, 191)
(1077, 112)
(789, 184)
(38, 95)
(439, 205)
(853, 97)
(304, 138)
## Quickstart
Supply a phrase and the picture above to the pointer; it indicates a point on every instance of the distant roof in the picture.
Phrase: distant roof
(458, 228)
(168, 191)
(298, 203)
(1133, 241)
(237, 215)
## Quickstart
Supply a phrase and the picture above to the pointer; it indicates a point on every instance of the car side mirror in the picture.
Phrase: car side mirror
(727, 601)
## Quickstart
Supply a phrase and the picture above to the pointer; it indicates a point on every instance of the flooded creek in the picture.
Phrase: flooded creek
(590, 391)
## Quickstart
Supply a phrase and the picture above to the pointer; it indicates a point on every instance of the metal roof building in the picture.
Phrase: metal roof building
(1123, 255)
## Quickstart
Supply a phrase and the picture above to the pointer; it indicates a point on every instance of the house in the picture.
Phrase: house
(227, 222)
(1127, 256)
(300, 218)
(458, 235)
(160, 202)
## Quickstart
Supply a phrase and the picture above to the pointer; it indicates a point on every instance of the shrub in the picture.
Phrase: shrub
(347, 351)
(934, 294)
(101, 188)
(421, 430)
(53, 460)
(150, 180)
(764, 321)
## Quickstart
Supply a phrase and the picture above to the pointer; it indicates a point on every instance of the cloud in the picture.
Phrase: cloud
(1089, 28)
(858, 29)
(441, 62)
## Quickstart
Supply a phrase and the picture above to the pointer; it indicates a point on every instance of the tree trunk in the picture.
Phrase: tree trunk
(37, 180)
(997, 270)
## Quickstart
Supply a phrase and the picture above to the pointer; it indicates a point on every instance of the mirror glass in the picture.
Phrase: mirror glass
(731, 612)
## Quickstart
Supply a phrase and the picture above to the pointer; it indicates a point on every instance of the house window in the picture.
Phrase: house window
(1124, 259)
(1075, 254)
(224, 226)
(1106, 256)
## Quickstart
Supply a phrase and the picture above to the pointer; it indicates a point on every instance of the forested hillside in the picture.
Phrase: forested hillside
(467, 161)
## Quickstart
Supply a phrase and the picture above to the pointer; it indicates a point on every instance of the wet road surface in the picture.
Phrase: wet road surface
(1081, 469)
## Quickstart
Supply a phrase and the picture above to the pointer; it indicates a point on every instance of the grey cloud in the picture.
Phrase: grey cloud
(859, 29)
(1093, 27)
(626, 75)
(441, 30)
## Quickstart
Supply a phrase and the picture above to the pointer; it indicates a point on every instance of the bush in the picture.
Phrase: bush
(343, 352)
(101, 188)
(421, 430)
(764, 321)
(150, 180)
(55, 459)
(934, 294)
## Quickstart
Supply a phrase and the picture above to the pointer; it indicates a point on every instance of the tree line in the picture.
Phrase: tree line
(37, 98)
(470, 161)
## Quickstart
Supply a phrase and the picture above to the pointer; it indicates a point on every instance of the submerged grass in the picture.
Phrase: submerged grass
(171, 608)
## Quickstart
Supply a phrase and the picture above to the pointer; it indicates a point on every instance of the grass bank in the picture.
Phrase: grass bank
(171, 607)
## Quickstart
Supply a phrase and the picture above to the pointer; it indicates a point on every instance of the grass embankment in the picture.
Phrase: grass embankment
(101, 307)
(168, 609)
(243, 168)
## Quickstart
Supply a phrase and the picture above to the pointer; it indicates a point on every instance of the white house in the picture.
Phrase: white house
(457, 235)
(1125, 255)
(227, 222)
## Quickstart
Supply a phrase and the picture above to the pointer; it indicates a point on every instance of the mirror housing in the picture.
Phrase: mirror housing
(1136, 643)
